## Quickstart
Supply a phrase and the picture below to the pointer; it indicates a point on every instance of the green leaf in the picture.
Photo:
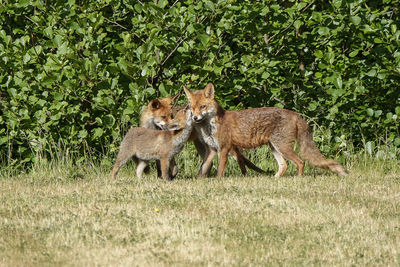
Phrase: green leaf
(355, 20)
(312, 106)
(162, 3)
(97, 132)
(297, 24)
(138, 8)
(265, 75)
(58, 96)
(109, 120)
(24, 3)
(301, 5)
(41, 102)
(338, 82)
(4, 140)
(204, 39)
(337, 3)
(318, 54)
(27, 57)
(129, 110)
(218, 69)
(371, 73)
(370, 112)
(63, 49)
(209, 5)
(82, 134)
(397, 141)
(150, 90)
(393, 28)
(353, 53)
(12, 92)
(264, 11)
(162, 90)
(190, 28)
(389, 115)
(323, 30)
(57, 40)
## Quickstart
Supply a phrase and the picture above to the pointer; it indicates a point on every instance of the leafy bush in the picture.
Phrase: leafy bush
(78, 72)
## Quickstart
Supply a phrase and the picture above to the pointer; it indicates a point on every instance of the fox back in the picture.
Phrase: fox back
(145, 144)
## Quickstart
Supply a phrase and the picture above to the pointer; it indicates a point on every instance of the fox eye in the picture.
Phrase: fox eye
(202, 107)
(164, 117)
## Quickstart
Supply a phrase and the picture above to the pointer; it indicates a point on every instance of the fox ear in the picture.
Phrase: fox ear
(155, 104)
(187, 92)
(174, 98)
(209, 91)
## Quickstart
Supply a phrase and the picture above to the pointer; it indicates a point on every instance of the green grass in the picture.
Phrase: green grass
(63, 214)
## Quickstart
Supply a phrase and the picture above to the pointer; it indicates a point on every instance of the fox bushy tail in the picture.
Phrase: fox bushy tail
(251, 165)
(310, 152)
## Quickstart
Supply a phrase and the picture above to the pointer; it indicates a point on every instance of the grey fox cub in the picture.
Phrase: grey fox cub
(146, 144)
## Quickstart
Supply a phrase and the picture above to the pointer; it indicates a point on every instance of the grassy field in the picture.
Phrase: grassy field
(62, 214)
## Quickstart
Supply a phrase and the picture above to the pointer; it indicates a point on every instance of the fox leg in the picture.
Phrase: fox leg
(158, 166)
(239, 158)
(140, 168)
(173, 168)
(122, 158)
(281, 161)
(165, 168)
(223, 157)
(206, 166)
(287, 151)
(203, 151)
(115, 170)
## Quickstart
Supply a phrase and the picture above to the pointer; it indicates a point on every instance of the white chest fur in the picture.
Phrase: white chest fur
(207, 133)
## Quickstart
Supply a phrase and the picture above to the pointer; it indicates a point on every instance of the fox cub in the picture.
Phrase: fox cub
(145, 144)
(279, 128)
(156, 115)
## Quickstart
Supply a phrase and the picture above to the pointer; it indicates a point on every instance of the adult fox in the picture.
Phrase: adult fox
(159, 112)
(250, 128)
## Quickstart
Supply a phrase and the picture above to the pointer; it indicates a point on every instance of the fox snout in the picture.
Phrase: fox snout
(160, 124)
(198, 118)
(173, 127)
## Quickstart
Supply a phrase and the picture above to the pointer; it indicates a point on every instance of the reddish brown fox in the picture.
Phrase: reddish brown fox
(145, 144)
(159, 112)
(279, 128)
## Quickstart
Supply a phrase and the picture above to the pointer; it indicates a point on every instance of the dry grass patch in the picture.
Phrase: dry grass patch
(79, 217)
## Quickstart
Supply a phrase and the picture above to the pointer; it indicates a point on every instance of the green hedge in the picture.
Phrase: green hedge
(77, 73)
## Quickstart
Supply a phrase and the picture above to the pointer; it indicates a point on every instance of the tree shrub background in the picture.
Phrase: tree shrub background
(76, 73)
